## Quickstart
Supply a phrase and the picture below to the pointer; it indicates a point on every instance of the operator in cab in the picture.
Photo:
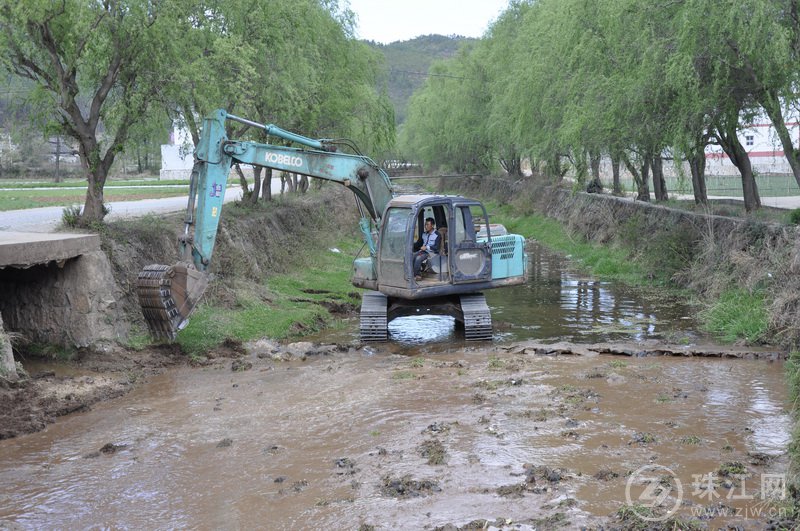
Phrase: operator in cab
(425, 247)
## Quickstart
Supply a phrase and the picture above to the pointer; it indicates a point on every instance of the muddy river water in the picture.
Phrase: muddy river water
(417, 434)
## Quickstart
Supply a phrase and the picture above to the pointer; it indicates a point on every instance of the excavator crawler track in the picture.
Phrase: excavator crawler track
(477, 317)
(373, 317)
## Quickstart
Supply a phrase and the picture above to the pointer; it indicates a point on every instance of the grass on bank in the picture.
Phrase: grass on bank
(738, 314)
(286, 306)
(605, 261)
(33, 198)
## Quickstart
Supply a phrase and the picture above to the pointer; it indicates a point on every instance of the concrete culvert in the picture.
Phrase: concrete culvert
(58, 289)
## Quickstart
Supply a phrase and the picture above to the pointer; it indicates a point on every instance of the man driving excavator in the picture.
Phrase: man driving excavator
(425, 247)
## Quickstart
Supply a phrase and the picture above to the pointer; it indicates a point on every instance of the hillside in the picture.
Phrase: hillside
(408, 63)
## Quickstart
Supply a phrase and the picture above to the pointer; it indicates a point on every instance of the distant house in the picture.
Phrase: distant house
(762, 145)
(177, 157)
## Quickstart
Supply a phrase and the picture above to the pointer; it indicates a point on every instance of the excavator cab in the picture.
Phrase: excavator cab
(463, 257)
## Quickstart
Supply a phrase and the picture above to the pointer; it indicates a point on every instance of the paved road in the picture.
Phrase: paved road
(46, 219)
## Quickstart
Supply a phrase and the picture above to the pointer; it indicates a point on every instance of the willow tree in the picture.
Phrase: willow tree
(97, 67)
(295, 63)
(445, 123)
(758, 42)
(494, 54)
(710, 78)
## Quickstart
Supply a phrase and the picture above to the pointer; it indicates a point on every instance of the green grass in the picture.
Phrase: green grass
(737, 314)
(793, 379)
(291, 311)
(33, 198)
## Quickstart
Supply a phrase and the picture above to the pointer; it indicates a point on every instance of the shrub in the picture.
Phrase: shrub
(71, 216)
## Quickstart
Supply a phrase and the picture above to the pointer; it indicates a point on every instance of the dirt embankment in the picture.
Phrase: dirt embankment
(705, 253)
(251, 245)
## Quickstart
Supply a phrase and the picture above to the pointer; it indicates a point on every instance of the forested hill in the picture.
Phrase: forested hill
(408, 62)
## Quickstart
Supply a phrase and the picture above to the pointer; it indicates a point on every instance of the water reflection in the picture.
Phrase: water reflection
(559, 304)
(418, 329)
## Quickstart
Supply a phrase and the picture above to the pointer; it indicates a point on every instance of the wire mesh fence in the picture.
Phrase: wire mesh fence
(769, 185)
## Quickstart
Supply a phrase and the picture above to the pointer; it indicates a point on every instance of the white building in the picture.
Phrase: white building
(762, 145)
(177, 157)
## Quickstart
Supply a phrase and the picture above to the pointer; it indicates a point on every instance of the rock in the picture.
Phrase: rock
(299, 350)
(615, 379)
(241, 365)
(263, 348)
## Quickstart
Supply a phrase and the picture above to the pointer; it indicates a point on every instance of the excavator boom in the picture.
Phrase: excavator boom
(169, 294)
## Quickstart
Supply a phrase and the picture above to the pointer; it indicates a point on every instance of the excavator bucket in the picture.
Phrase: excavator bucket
(168, 295)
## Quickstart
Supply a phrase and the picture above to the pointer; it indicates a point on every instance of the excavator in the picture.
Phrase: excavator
(474, 255)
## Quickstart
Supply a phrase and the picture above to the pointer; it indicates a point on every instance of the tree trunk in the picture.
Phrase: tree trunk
(616, 188)
(729, 142)
(581, 169)
(58, 158)
(772, 106)
(303, 184)
(94, 209)
(659, 184)
(243, 182)
(96, 174)
(256, 184)
(512, 163)
(596, 185)
(266, 185)
(697, 165)
(8, 369)
(553, 166)
(640, 177)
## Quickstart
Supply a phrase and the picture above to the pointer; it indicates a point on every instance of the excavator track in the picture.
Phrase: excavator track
(477, 317)
(373, 317)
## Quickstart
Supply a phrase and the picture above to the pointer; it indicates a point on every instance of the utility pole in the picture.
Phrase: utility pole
(57, 152)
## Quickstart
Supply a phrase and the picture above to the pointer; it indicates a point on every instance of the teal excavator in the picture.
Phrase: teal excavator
(473, 256)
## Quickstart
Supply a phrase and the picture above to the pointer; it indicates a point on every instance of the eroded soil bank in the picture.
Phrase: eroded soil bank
(310, 437)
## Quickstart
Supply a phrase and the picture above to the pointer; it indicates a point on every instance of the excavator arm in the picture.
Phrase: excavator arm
(169, 294)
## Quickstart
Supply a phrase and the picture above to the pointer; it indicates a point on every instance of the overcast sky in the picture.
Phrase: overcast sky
(387, 21)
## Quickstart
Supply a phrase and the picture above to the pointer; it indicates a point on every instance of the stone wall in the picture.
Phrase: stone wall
(73, 305)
